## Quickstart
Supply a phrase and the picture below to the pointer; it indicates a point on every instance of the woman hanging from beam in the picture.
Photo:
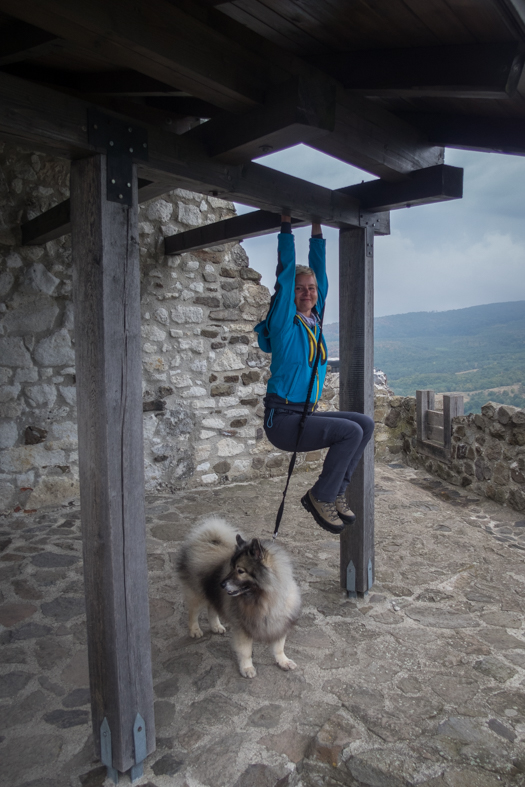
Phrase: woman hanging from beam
(290, 333)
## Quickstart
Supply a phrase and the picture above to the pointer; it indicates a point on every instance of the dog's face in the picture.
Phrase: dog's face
(246, 568)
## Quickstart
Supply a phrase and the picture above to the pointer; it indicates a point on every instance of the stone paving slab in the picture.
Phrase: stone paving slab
(420, 683)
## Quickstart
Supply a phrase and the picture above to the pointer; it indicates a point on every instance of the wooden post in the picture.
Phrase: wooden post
(109, 396)
(452, 406)
(356, 376)
(425, 400)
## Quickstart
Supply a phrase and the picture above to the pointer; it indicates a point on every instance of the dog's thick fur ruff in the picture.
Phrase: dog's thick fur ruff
(250, 585)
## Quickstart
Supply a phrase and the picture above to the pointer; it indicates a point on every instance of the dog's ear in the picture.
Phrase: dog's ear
(256, 549)
(240, 540)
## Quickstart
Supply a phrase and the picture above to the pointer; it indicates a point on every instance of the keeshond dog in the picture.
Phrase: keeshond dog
(249, 584)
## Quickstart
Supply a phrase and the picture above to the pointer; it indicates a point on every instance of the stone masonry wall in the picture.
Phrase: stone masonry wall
(488, 450)
(203, 374)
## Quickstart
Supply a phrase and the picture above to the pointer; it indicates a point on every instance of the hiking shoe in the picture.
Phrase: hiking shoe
(344, 510)
(325, 514)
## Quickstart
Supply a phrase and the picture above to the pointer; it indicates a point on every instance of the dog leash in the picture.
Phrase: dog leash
(302, 423)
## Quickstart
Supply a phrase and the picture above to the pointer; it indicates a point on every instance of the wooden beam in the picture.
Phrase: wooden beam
(471, 132)
(121, 83)
(183, 106)
(56, 221)
(103, 83)
(249, 225)
(372, 139)
(297, 111)
(458, 71)
(356, 394)
(50, 121)
(180, 50)
(21, 41)
(159, 40)
(108, 347)
(433, 184)
(51, 224)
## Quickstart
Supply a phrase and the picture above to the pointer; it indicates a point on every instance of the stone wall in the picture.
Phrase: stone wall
(488, 450)
(204, 376)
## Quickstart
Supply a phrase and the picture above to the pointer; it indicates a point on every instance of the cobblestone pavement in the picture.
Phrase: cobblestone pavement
(420, 683)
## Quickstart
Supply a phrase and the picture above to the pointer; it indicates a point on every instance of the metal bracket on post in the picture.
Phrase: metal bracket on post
(122, 143)
(139, 740)
(369, 233)
(350, 581)
(370, 574)
(105, 751)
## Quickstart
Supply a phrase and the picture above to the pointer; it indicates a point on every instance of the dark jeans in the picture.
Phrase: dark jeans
(346, 434)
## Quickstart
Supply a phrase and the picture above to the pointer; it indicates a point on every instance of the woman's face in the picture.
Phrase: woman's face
(305, 293)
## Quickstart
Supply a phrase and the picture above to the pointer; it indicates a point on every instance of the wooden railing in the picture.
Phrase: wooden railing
(434, 427)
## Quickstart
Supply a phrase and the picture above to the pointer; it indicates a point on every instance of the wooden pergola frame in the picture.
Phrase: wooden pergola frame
(259, 98)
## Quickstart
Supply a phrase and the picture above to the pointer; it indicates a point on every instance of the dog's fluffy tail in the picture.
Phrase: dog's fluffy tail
(208, 546)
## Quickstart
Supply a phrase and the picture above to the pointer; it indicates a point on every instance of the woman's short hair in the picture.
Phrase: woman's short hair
(304, 270)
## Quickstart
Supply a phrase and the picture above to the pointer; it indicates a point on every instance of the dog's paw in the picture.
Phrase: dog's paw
(218, 629)
(287, 664)
(195, 631)
(248, 672)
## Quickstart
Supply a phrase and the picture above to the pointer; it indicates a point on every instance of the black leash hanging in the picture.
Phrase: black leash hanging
(302, 423)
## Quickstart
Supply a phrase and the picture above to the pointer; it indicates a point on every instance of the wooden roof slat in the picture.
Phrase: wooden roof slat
(439, 17)
(255, 25)
(353, 37)
(400, 24)
(368, 23)
(309, 18)
(277, 21)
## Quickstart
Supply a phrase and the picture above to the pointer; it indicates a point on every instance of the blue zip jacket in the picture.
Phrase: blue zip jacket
(292, 343)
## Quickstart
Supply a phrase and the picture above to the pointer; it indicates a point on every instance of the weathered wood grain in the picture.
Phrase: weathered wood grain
(452, 406)
(356, 392)
(425, 400)
(109, 395)
(422, 187)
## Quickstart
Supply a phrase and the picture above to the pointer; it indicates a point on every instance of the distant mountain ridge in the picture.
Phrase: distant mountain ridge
(470, 349)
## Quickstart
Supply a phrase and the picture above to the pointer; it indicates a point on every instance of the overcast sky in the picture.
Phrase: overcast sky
(443, 256)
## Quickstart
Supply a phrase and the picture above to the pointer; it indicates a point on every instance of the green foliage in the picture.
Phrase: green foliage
(472, 349)
(516, 398)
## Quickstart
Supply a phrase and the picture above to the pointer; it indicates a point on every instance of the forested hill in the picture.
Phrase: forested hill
(457, 322)
(471, 349)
